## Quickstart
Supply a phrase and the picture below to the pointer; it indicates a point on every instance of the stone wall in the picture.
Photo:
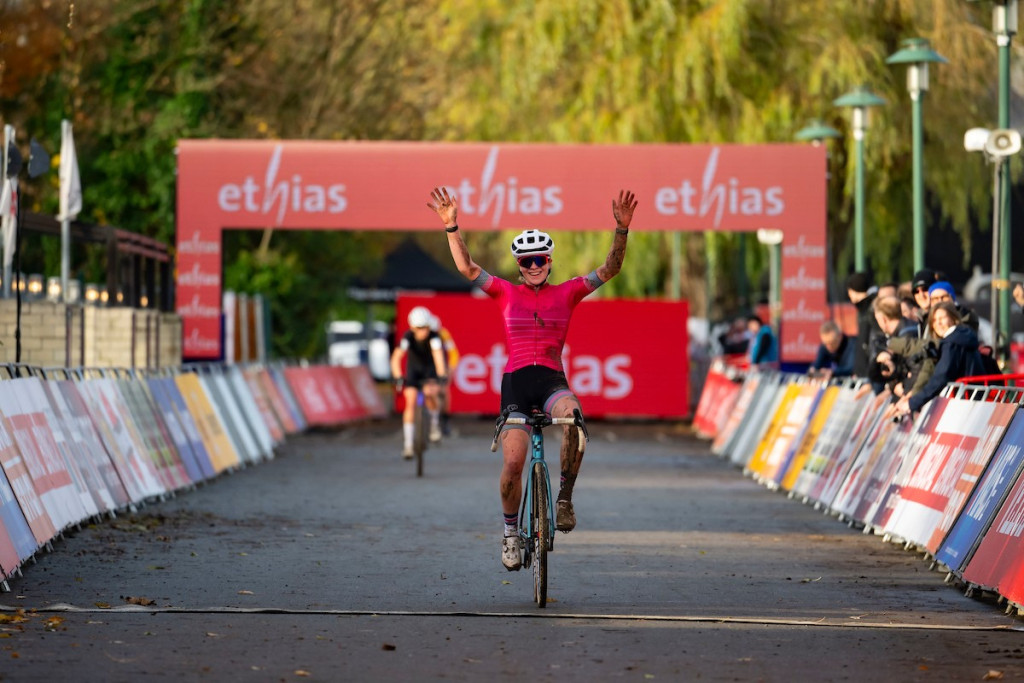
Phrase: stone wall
(52, 335)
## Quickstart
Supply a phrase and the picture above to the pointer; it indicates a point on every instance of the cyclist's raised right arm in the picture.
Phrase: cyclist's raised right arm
(446, 208)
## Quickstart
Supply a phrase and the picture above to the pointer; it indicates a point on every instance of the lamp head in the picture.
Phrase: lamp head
(975, 139)
(1002, 143)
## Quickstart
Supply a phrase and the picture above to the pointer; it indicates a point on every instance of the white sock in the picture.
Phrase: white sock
(408, 429)
(511, 531)
(435, 418)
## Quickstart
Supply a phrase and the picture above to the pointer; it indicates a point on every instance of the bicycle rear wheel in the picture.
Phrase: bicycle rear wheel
(419, 442)
(541, 530)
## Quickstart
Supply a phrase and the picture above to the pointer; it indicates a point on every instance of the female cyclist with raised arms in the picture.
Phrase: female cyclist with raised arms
(536, 314)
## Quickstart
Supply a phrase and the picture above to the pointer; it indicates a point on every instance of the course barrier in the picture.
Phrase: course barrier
(947, 484)
(80, 444)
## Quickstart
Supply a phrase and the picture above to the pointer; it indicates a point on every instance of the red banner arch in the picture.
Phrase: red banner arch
(326, 185)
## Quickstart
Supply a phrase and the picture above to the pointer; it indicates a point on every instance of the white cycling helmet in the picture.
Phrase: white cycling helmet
(530, 242)
(420, 317)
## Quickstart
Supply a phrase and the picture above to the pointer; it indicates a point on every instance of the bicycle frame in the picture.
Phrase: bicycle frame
(526, 530)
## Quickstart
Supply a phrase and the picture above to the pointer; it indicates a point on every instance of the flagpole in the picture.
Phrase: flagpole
(8, 140)
(65, 226)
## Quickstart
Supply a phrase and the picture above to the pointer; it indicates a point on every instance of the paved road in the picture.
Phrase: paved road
(334, 562)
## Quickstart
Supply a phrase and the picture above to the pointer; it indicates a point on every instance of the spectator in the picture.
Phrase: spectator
(763, 349)
(735, 340)
(904, 366)
(958, 356)
(909, 310)
(862, 295)
(943, 291)
(888, 289)
(890, 320)
(923, 279)
(835, 354)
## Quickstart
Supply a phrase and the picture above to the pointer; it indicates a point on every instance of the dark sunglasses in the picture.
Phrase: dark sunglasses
(921, 290)
(531, 261)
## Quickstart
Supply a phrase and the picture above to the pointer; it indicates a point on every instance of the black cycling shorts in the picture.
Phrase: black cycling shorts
(534, 386)
(417, 375)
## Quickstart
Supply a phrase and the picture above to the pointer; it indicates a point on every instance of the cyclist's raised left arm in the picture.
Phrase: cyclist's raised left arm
(396, 362)
(622, 209)
(447, 209)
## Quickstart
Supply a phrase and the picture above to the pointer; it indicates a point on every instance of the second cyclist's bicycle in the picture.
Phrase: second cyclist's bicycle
(537, 515)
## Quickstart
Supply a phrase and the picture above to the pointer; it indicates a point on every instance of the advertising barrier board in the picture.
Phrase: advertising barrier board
(929, 484)
(986, 499)
(805, 446)
(211, 429)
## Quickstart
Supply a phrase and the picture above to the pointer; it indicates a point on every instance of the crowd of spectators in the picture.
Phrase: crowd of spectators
(911, 340)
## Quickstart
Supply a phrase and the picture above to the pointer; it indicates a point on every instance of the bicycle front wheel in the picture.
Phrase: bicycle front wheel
(419, 443)
(541, 531)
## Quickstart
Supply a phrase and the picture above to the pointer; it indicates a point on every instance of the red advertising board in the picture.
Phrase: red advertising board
(621, 357)
(333, 185)
(325, 394)
(717, 401)
(999, 561)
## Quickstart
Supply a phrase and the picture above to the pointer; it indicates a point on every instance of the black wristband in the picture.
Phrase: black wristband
(621, 231)
(452, 229)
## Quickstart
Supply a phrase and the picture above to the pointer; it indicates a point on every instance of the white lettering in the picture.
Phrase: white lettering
(800, 346)
(588, 375)
(802, 314)
(278, 197)
(193, 342)
(197, 246)
(196, 278)
(802, 281)
(495, 196)
(471, 375)
(800, 249)
(717, 198)
(620, 383)
(194, 308)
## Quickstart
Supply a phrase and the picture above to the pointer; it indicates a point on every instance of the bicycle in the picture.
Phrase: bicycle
(421, 427)
(536, 531)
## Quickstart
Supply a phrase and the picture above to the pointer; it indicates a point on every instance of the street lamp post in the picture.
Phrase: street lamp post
(772, 238)
(998, 146)
(1004, 25)
(917, 54)
(859, 101)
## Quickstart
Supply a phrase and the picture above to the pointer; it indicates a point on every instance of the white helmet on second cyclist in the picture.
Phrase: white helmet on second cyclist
(420, 317)
(531, 242)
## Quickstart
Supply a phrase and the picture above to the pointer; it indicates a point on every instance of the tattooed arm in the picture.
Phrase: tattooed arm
(622, 209)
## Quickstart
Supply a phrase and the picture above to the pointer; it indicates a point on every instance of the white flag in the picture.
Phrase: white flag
(9, 218)
(70, 184)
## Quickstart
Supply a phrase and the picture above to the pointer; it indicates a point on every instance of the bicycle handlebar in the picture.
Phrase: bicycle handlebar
(542, 420)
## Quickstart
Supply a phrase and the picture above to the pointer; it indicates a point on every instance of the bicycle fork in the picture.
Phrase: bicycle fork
(527, 532)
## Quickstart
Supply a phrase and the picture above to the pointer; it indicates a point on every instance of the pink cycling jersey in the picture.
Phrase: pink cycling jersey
(536, 320)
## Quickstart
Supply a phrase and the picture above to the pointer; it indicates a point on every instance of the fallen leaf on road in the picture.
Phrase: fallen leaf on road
(52, 623)
(246, 593)
(211, 634)
(506, 583)
(993, 675)
(810, 580)
(301, 672)
(145, 602)
(388, 647)
(102, 605)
